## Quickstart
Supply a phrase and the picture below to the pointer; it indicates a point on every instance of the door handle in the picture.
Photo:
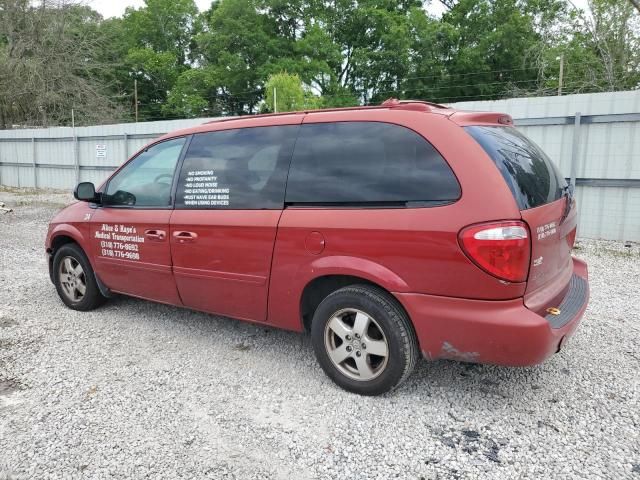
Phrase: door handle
(157, 235)
(185, 237)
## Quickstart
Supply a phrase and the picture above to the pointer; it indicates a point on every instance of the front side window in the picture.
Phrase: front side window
(369, 163)
(146, 181)
(242, 169)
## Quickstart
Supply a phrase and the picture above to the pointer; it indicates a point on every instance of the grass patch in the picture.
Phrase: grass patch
(618, 253)
(40, 203)
(26, 191)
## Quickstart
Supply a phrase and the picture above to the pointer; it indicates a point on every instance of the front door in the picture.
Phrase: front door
(229, 199)
(130, 230)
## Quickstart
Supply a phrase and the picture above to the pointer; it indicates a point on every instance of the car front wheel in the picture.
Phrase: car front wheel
(364, 340)
(74, 279)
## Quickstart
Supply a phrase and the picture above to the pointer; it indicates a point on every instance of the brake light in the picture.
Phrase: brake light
(502, 249)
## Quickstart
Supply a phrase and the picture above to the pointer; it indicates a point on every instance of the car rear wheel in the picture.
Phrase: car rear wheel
(364, 340)
(74, 279)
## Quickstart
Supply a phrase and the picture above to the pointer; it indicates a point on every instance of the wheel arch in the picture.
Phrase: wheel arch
(316, 290)
(62, 234)
(56, 242)
(60, 240)
(64, 238)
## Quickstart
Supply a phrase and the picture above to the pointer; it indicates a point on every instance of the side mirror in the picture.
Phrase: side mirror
(85, 192)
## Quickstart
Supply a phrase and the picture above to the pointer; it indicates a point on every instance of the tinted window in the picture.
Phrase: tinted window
(531, 176)
(146, 180)
(236, 169)
(367, 162)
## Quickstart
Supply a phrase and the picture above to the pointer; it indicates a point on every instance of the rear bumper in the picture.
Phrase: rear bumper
(497, 332)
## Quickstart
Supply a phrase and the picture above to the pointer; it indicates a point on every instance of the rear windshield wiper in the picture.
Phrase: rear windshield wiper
(567, 192)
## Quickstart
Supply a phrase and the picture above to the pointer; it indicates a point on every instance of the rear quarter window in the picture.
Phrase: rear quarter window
(368, 163)
(532, 177)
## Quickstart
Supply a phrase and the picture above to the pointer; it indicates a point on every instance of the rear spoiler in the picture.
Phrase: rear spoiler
(481, 118)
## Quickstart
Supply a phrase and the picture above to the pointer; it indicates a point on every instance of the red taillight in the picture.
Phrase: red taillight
(502, 249)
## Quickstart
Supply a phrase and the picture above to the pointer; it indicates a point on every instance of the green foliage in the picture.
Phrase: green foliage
(50, 64)
(338, 96)
(284, 93)
(157, 47)
(188, 97)
(495, 41)
(163, 26)
(156, 73)
(603, 51)
(225, 61)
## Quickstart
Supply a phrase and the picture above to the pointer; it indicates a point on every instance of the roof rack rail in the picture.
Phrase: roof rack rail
(419, 105)
(250, 115)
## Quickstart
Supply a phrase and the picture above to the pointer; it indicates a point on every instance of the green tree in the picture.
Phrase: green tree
(239, 47)
(49, 65)
(163, 26)
(493, 46)
(156, 74)
(55, 56)
(603, 50)
(189, 97)
(287, 92)
(284, 93)
(360, 47)
(157, 48)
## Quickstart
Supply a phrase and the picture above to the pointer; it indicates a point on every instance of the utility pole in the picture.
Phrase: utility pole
(135, 96)
(561, 74)
(43, 111)
(275, 100)
(76, 150)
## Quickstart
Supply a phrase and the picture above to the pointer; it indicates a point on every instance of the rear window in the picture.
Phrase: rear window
(368, 163)
(530, 174)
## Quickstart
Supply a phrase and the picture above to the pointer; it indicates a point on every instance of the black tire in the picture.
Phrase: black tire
(384, 315)
(91, 298)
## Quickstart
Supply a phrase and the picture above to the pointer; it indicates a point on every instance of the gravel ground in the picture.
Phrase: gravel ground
(137, 389)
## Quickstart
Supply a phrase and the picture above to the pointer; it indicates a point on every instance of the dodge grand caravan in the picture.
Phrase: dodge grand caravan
(388, 233)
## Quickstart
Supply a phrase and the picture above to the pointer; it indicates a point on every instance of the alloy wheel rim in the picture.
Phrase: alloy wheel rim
(72, 279)
(356, 344)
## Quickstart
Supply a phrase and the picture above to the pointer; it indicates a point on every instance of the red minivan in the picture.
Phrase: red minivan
(387, 232)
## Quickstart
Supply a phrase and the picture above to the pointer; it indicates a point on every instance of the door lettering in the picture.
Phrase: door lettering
(201, 189)
(546, 230)
(119, 241)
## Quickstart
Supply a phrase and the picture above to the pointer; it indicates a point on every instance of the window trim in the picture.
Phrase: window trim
(373, 204)
(171, 204)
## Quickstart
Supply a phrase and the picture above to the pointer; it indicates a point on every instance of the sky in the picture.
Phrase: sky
(115, 8)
